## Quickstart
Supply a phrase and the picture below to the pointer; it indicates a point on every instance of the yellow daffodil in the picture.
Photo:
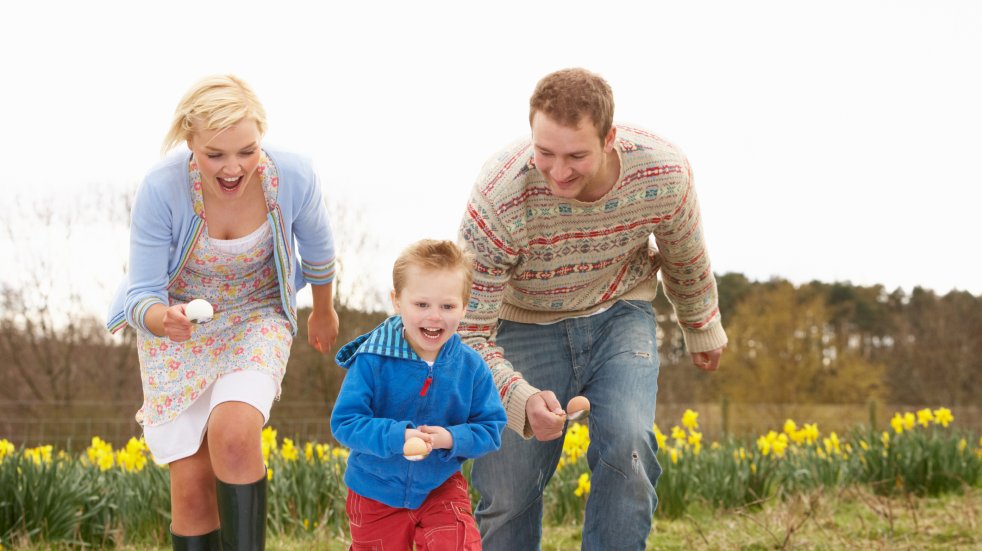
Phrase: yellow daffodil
(764, 445)
(661, 438)
(790, 427)
(132, 457)
(909, 421)
(924, 417)
(695, 440)
(811, 433)
(268, 442)
(943, 417)
(340, 453)
(289, 451)
(582, 485)
(39, 454)
(897, 423)
(832, 444)
(576, 442)
(678, 434)
(6, 448)
(690, 419)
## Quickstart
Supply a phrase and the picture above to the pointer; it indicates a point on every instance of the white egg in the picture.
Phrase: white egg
(199, 311)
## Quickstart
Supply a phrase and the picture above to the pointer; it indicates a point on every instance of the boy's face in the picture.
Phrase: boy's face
(431, 304)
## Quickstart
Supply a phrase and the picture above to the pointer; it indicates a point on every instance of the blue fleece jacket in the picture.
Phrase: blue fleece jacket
(385, 392)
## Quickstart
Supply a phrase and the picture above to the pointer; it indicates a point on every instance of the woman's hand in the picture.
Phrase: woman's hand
(322, 329)
(177, 326)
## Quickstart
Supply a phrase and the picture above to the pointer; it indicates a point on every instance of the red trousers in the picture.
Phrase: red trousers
(443, 522)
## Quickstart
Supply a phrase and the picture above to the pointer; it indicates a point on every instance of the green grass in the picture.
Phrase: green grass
(850, 518)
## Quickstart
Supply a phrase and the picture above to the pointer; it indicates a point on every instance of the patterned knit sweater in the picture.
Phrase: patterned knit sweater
(540, 258)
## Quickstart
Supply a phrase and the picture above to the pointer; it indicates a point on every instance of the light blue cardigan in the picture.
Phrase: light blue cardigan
(165, 228)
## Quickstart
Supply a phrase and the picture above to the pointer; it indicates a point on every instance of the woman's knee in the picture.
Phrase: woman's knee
(236, 445)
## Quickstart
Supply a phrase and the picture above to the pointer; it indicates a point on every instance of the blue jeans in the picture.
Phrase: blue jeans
(612, 359)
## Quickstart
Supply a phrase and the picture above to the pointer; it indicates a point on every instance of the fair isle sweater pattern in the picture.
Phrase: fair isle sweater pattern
(541, 258)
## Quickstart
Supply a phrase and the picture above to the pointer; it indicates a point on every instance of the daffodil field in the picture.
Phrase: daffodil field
(105, 497)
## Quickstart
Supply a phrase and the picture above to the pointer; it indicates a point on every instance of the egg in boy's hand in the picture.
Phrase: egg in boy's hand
(415, 448)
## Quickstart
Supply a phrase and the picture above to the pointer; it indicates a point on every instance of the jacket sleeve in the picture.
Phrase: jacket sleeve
(312, 229)
(482, 432)
(150, 250)
(686, 273)
(353, 422)
(494, 260)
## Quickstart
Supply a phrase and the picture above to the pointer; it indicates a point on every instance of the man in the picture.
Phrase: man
(562, 225)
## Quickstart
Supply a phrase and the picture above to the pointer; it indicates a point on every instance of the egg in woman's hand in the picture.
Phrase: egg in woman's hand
(199, 311)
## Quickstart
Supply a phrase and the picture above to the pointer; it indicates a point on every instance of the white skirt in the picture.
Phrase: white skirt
(182, 437)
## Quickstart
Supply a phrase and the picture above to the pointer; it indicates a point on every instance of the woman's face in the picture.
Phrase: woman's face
(227, 158)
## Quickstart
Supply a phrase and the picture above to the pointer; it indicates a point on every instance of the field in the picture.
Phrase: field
(914, 486)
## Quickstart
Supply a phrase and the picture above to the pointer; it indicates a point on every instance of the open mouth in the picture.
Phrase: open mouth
(229, 185)
(431, 333)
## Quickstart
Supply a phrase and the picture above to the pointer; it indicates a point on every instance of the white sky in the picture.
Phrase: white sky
(834, 140)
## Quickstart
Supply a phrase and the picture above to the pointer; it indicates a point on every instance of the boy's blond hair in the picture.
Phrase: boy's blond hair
(214, 103)
(433, 254)
(567, 95)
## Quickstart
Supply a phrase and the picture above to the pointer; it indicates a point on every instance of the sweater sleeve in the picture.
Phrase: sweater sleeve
(686, 273)
(494, 259)
(150, 243)
(312, 228)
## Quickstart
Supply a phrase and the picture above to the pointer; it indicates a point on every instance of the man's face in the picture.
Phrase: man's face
(572, 159)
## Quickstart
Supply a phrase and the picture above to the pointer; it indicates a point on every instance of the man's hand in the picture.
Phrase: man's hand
(545, 415)
(707, 361)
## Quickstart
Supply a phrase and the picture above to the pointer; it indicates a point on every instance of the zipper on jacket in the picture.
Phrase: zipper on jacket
(427, 382)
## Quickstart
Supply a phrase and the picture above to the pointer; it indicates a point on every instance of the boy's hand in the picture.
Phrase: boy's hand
(418, 433)
(440, 437)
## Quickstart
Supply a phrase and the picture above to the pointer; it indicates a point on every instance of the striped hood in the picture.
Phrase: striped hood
(388, 340)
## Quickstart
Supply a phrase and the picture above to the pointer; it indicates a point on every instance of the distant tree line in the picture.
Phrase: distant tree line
(813, 343)
(833, 343)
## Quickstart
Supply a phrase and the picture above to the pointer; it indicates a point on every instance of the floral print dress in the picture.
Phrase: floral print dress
(249, 330)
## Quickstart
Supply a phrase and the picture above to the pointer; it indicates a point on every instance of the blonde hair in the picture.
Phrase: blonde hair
(569, 94)
(214, 103)
(432, 254)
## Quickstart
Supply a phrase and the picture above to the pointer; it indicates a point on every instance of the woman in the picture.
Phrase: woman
(223, 222)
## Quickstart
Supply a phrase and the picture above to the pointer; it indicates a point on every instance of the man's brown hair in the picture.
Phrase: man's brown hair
(569, 94)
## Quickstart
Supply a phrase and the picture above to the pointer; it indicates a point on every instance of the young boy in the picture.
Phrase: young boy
(413, 377)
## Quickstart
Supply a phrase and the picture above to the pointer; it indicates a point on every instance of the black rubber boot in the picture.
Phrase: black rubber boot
(242, 510)
(206, 542)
